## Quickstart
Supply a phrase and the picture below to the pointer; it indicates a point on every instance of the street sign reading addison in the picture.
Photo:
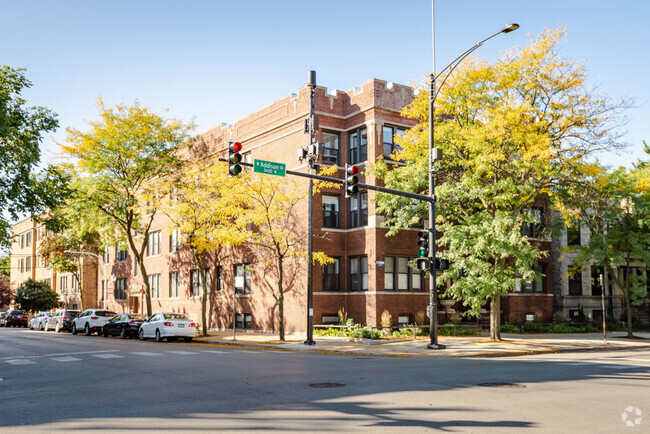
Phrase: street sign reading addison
(269, 168)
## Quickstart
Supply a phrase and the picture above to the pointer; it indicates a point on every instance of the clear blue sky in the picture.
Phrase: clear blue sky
(217, 61)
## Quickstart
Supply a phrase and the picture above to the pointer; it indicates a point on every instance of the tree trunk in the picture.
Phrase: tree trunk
(204, 295)
(281, 297)
(495, 317)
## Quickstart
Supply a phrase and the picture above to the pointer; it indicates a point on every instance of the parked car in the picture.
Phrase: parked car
(91, 320)
(3, 316)
(16, 318)
(38, 322)
(60, 320)
(124, 325)
(168, 325)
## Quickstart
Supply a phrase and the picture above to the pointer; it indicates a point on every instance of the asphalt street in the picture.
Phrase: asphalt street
(52, 382)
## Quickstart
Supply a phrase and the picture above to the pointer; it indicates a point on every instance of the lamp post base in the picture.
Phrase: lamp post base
(436, 347)
(309, 343)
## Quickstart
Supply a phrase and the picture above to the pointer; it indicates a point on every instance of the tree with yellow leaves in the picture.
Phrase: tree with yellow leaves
(118, 159)
(279, 236)
(511, 132)
(209, 209)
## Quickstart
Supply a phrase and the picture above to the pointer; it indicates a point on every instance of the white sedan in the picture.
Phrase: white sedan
(38, 322)
(168, 325)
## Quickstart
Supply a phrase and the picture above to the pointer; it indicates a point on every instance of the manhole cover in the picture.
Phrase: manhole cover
(503, 385)
(326, 385)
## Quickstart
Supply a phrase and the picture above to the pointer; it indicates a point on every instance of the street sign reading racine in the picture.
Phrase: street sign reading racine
(269, 168)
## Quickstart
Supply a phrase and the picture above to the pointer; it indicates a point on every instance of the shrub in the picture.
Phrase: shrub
(419, 318)
(509, 328)
(386, 319)
(455, 331)
(343, 316)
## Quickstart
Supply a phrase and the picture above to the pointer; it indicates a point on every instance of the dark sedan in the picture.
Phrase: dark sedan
(16, 318)
(124, 325)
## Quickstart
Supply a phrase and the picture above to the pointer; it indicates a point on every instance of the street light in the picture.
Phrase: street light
(99, 260)
(435, 154)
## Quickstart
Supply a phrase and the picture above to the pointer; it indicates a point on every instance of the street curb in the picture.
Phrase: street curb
(487, 355)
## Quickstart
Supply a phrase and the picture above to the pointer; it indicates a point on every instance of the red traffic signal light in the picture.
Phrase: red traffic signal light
(351, 180)
(234, 158)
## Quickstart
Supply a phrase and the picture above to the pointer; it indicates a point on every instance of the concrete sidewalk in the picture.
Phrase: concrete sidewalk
(466, 346)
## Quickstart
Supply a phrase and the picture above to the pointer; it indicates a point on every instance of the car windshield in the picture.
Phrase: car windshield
(175, 316)
(104, 313)
(72, 314)
(137, 317)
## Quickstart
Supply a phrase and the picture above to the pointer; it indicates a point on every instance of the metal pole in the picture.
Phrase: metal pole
(433, 299)
(310, 259)
(602, 300)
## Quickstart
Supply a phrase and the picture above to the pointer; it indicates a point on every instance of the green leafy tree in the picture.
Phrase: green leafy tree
(615, 207)
(511, 132)
(35, 296)
(21, 132)
(208, 207)
(119, 158)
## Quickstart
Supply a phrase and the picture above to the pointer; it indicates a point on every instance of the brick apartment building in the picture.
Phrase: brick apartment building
(370, 273)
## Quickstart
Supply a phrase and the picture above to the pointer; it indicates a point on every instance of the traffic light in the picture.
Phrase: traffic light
(351, 180)
(234, 158)
(423, 250)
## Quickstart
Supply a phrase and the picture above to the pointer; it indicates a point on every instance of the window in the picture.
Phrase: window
(331, 211)
(196, 289)
(244, 321)
(28, 264)
(575, 283)
(533, 223)
(358, 146)
(103, 294)
(332, 276)
(136, 268)
(64, 284)
(22, 241)
(48, 282)
(106, 254)
(358, 273)
(573, 235)
(75, 285)
(175, 241)
(331, 149)
(398, 276)
(596, 287)
(154, 285)
(120, 252)
(28, 239)
(243, 278)
(120, 289)
(174, 284)
(153, 244)
(219, 278)
(358, 210)
(21, 265)
(390, 145)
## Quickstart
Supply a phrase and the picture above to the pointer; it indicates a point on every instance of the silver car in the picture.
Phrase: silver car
(38, 322)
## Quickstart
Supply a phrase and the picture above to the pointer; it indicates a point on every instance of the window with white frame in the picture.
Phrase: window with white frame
(153, 243)
(120, 289)
(398, 276)
(154, 285)
(331, 215)
(358, 146)
(63, 287)
(196, 289)
(120, 252)
(219, 278)
(75, 285)
(174, 284)
(175, 241)
(390, 144)
(243, 278)
(358, 273)
(331, 148)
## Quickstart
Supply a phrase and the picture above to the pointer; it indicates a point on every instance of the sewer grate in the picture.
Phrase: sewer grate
(503, 385)
(326, 385)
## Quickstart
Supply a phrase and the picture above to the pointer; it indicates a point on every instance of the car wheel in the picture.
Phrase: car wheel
(57, 327)
(141, 334)
(188, 339)
(31, 327)
(87, 330)
(42, 326)
(74, 329)
(45, 327)
(123, 333)
(104, 332)
(158, 337)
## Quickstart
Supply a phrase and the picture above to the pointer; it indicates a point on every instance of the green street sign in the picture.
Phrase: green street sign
(269, 168)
